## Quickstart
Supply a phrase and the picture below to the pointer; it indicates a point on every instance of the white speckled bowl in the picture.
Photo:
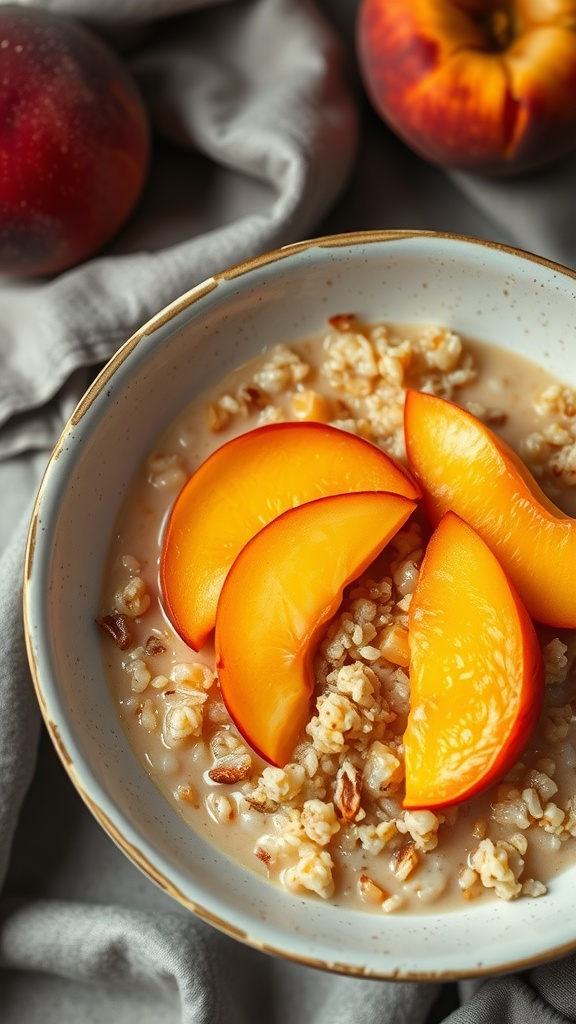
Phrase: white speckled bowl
(479, 289)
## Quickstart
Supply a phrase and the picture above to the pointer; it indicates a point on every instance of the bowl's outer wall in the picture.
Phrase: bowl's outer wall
(480, 290)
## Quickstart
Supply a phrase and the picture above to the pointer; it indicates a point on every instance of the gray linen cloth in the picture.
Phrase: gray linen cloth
(262, 136)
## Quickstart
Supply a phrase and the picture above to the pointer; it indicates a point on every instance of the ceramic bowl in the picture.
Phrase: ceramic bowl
(482, 290)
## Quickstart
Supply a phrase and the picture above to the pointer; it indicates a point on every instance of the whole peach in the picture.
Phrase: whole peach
(480, 85)
(74, 142)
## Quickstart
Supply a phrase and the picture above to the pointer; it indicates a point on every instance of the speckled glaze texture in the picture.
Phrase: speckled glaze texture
(479, 289)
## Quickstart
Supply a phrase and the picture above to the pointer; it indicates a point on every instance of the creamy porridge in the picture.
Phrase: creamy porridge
(331, 824)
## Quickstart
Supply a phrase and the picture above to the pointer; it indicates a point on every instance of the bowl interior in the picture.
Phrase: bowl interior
(480, 290)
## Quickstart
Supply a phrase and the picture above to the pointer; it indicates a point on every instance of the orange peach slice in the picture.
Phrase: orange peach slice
(282, 589)
(462, 465)
(476, 672)
(244, 485)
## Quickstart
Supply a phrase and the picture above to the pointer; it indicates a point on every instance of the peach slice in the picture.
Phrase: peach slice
(246, 483)
(283, 587)
(462, 465)
(476, 672)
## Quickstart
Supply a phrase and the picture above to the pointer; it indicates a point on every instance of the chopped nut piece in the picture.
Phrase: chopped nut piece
(393, 903)
(216, 417)
(370, 892)
(154, 646)
(118, 628)
(250, 395)
(231, 769)
(342, 321)
(404, 861)
(348, 792)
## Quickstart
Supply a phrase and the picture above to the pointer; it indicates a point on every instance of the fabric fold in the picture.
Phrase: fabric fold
(288, 122)
(542, 996)
(19, 711)
(187, 971)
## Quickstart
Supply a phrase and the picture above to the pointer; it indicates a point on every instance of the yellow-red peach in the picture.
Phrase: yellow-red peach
(486, 85)
(476, 672)
(280, 592)
(241, 487)
(464, 466)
